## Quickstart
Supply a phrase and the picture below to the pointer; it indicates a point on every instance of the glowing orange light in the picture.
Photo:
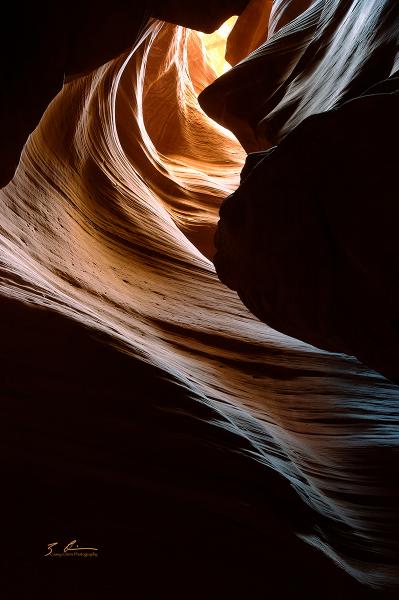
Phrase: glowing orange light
(215, 46)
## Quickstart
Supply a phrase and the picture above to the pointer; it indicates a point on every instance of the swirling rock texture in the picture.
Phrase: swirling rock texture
(318, 259)
(145, 411)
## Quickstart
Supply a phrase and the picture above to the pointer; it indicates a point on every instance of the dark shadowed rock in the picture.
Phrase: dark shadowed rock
(310, 240)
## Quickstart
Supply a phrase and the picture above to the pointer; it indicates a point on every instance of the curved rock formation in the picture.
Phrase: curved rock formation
(329, 53)
(309, 240)
(145, 410)
(43, 45)
(315, 255)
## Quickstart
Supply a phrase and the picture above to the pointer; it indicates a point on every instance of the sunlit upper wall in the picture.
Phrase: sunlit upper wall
(215, 45)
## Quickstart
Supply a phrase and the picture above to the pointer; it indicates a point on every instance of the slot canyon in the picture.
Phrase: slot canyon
(199, 299)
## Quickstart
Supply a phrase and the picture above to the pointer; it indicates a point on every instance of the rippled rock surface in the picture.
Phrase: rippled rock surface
(145, 410)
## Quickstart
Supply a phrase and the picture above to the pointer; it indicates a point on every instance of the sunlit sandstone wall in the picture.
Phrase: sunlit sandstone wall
(97, 225)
